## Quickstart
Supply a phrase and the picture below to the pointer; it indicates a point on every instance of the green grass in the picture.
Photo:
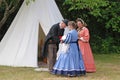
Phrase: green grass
(108, 68)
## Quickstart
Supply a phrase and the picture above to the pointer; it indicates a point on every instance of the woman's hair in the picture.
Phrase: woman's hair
(82, 21)
(72, 23)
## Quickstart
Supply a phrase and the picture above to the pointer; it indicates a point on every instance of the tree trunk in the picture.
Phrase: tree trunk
(0, 2)
(8, 11)
(2, 22)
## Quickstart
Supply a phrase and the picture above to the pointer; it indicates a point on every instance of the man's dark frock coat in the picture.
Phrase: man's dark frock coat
(53, 37)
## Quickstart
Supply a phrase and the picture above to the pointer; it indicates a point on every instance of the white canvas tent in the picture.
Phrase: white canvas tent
(19, 46)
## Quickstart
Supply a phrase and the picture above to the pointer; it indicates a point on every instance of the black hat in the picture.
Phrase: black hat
(66, 21)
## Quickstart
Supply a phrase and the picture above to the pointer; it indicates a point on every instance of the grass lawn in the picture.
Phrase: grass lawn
(108, 68)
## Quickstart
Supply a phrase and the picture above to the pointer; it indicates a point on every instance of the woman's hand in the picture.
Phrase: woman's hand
(82, 39)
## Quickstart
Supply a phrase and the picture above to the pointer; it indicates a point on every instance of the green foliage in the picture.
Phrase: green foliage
(107, 45)
(28, 1)
(86, 4)
(103, 19)
(104, 11)
(111, 15)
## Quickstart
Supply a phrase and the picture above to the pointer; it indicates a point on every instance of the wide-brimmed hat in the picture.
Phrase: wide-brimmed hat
(66, 21)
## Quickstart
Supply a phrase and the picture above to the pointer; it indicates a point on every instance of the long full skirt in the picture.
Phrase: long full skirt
(70, 62)
(87, 57)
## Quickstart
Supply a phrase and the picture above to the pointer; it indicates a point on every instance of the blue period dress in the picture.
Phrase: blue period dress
(70, 62)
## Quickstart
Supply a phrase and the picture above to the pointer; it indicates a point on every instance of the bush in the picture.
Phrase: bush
(106, 45)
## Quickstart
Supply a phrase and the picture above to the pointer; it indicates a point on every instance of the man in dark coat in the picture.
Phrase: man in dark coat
(52, 41)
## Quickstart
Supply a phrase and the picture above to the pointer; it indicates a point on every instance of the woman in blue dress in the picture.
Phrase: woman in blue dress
(70, 62)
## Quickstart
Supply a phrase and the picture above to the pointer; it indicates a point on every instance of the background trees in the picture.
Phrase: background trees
(8, 9)
(103, 19)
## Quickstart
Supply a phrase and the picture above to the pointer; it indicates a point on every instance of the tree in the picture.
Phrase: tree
(105, 11)
(9, 7)
(103, 19)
